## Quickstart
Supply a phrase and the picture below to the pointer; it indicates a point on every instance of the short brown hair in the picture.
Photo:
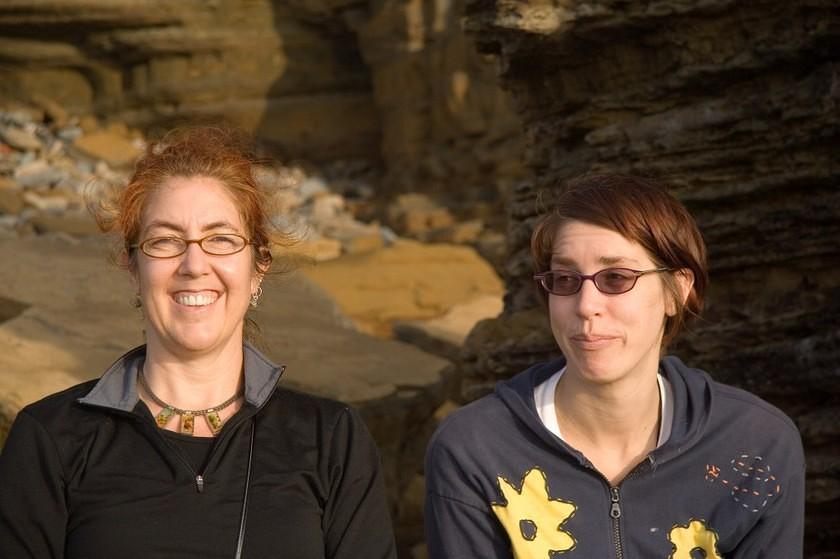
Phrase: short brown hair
(642, 211)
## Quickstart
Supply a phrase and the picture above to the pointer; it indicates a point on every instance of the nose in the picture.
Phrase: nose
(590, 300)
(194, 261)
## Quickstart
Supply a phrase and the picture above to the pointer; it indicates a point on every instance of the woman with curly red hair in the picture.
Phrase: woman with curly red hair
(189, 446)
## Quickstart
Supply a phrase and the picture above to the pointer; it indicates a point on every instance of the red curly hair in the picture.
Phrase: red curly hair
(196, 151)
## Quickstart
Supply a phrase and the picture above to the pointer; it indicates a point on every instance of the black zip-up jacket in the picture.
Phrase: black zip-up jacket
(86, 473)
(728, 482)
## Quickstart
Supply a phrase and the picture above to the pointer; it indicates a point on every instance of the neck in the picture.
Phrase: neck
(622, 416)
(194, 380)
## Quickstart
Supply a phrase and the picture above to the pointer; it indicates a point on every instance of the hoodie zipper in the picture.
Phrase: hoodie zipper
(615, 502)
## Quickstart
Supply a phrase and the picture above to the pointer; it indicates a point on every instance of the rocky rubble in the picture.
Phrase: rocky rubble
(48, 160)
(51, 164)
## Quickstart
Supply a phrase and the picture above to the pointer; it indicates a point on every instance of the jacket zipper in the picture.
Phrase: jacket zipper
(615, 514)
(199, 477)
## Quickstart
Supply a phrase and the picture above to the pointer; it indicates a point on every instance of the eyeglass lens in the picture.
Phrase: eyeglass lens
(219, 245)
(610, 280)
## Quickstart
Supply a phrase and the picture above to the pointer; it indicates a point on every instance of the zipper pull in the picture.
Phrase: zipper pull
(199, 483)
(615, 507)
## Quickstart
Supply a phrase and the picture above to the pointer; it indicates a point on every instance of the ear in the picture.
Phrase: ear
(260, 270)
(258, 276)
(256, 280)
(125, 261)
(684, 279)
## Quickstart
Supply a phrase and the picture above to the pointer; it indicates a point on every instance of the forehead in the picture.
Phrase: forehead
(191, 201)
(581, 243)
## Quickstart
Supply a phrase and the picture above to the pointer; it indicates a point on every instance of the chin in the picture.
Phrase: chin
(597, 367)
(196, 340)
(598, 375)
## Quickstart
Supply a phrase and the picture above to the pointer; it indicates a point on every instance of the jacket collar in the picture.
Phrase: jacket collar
(117, 388)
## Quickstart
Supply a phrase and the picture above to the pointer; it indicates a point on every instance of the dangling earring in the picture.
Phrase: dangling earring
(255, 297)
(137, 302)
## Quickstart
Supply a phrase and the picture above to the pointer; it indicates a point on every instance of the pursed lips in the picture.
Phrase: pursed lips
(591, 341)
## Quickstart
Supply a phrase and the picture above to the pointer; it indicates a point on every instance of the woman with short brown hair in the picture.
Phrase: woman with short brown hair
(615, 450)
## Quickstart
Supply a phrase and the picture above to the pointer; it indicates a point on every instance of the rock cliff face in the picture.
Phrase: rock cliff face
(735, 105)
(152, 63)
(386, 82)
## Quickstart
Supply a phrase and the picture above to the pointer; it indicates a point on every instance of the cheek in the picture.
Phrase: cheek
(150, 276)
(237, 276)
(559, 312)
(649, 313)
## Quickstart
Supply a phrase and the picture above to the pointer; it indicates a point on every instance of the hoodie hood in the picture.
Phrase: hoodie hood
(692, 390)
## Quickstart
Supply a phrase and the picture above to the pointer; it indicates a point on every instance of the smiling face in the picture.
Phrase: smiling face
(606, 338)
(194, 303)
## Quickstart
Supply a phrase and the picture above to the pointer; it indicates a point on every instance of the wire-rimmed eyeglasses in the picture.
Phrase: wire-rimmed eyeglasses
(612, 281)
(217, 244)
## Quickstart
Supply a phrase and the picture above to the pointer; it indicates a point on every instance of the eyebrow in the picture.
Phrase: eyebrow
(178, 229)
(558, 260)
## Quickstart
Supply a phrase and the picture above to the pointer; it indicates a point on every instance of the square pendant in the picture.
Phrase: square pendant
(187, 423)
(163, 417)
(213, 421)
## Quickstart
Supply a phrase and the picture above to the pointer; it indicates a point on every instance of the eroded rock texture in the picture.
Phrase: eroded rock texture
(155, 62)
(736, 105)
(383, 82)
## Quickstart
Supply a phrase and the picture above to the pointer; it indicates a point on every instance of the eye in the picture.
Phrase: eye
(163, 243)
(222, 240)
(616, 277)
(223, 243)
(564, 276)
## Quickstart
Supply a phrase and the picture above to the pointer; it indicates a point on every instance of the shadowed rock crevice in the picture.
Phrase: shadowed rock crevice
(9, 308)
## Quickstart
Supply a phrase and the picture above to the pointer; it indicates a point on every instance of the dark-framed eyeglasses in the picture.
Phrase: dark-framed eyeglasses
(217, 244)
(612, 281)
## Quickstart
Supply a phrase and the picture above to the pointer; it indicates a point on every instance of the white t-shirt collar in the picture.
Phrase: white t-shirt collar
(544, 400)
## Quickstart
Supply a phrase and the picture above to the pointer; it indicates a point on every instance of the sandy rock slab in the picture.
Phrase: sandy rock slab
(66, 317)
(445, 335)
(407, 281)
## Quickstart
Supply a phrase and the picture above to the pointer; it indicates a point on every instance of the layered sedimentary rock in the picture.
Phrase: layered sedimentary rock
(736, 106)
(382, 82)
(447, 127)
(153, 63)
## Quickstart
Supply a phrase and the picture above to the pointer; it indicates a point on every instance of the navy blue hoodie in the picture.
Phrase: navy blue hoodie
(728, 481)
